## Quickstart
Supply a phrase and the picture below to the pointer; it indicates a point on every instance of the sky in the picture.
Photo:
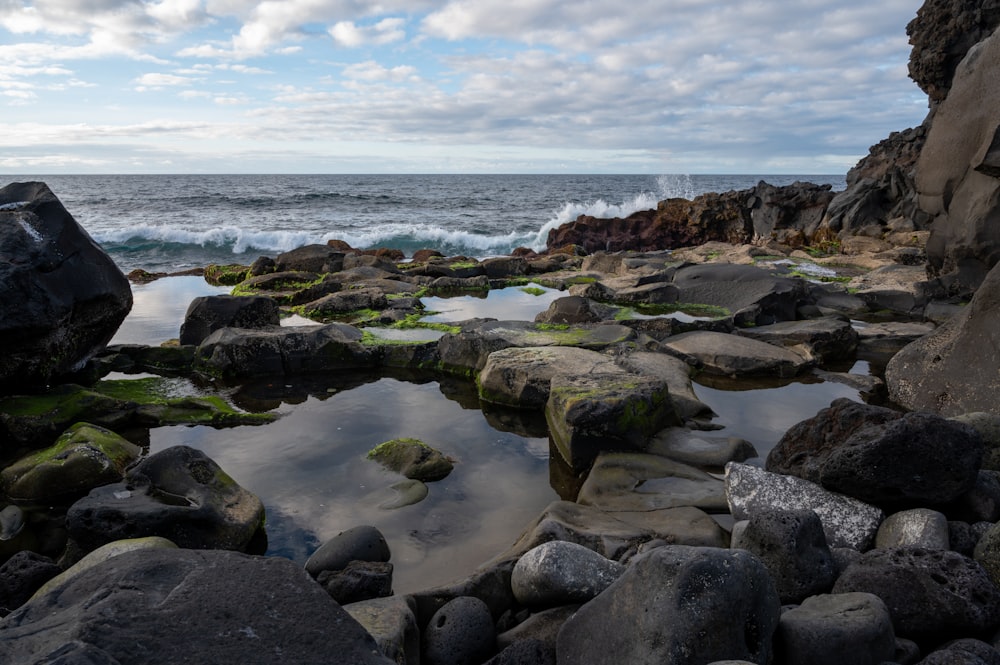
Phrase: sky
(459, 86)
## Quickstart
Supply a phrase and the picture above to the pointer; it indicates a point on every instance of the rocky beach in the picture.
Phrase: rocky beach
(869, 533)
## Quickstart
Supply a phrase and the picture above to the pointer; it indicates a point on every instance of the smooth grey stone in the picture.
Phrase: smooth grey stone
(731, 355)
(699, 449)
(460, 633)
(360, 543)
(392, 622)
(831, 629)
(637, 482)
(920, 527)
(561, 573)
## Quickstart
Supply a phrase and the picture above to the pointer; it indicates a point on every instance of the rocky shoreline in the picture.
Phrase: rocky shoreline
(869, 534)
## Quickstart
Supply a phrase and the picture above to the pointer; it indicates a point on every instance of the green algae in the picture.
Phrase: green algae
(226, 275)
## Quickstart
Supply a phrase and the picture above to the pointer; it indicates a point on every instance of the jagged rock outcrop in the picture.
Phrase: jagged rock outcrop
(61, 295)
(788, 214)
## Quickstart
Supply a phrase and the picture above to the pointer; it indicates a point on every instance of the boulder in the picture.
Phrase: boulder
(792, 545)
(588, 413)
(310, 258)
(675, 374)
(413, 459)
(731, 355)
(540, 627)
(358, 581)
(947, 372)
(460, 633)
(831, 629)
(393, 623)
(561, 573)
(84, 457)
(920, 527)
(828, 338)
(360, 543)
(932, 595)
(206, 314)
(345, 302)
(846, 522)
(62, 296)
(751, 294)
(700, 449)
(178, 493)
(21, 576)
(888, 338)
(988, 426)
(573, 310)
(525, 652)
(639, 482)
(169, 606)
(679, 605)
(908, 459)
(233, 353)
(520, 377)
(955, 182)
(966, 651)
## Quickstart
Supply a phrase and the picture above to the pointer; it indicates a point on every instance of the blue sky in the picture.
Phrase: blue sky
(461, 86)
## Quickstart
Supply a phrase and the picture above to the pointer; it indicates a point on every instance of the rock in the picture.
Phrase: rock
(404, 493)
(888, 338)
(732, 355)
(792, 546)
(846, 522)
(561, 573)
(836, 628)
(178, 493)
(360, 543)
(392, 622)
(359, 580)
(310, 258)
(574, 310)
(699, 449)
(751, 294)
(346, 302)
(828, 338)
(11, 522)
(233, 353)
(600, 411)
(617, 535)
(504, 267)
(102, 554)
(413, 459)
(988, 426)
(62, 296)
(540, 627)
(21, 576)
(680, 605)
(520, 377)
(954, 180)
(945, 372)
(640, 482)
(206, 314)
(460, 633)
(186, 606)
(963, 537)
(881, 456)
(525, 652)
(932, 595)
(675, 374)
(920, 527)
(965, 651)
(982, 502)
(84, 457)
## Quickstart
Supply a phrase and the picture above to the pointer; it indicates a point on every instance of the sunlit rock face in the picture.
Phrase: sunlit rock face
(61, 296)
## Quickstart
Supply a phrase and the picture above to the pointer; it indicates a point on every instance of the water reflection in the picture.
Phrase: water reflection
(310, 470)
(159, 307)
(515, 303)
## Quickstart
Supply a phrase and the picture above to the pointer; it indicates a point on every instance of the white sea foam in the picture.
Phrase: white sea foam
(5, 207)
(30, 230)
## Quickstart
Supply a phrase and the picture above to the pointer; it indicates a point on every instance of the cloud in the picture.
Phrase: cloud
(157, 80)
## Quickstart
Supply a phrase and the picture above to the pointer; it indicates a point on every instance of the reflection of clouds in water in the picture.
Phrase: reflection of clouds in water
(310, 466)
(763, 415)
(159, 307)
(510, 304)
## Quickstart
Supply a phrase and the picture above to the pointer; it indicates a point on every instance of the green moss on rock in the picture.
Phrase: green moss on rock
(412, 458)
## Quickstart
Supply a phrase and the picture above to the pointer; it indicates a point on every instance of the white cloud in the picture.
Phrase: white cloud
(386, 31)
(157, 80)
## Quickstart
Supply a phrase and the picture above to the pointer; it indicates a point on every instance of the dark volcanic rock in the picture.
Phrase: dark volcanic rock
(915, 458)
(360, 580)
(679, 605)
(207, 314)
(931, 595)
(751, 294)
(360, 543)
(948, 371)
(178, 493)
(168, 606)
(460, 633)
(836, 628)
(62, 297)
(311, 258)
(21, 576)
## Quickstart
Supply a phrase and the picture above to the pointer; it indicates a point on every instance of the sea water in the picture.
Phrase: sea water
(174, 222)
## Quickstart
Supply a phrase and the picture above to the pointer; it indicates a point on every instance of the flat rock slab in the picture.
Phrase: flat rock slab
(700, 449)
(520, 377)
(828, 338)
(169, 606)
(847, 522)
(637, 482)
(732, 355)
(762, 297)
(889, 337)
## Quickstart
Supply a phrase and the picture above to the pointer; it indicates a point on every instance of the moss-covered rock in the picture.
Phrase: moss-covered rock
(412, 458)
(84, 457)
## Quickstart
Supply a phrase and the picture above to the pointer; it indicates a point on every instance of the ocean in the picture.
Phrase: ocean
(174, 222)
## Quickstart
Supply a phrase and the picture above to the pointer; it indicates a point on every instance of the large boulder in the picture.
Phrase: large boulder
(521, 377)
(958, 169)
(679, 605)
(207, 314)
(751, 294)
(169, 606)
(732, 355)
(178, 493)
(837, 628)
(62, 296)
(948, 371)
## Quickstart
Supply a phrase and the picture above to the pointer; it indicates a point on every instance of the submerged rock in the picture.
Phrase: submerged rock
(413, 459)
(62, 296)
(639, 482)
